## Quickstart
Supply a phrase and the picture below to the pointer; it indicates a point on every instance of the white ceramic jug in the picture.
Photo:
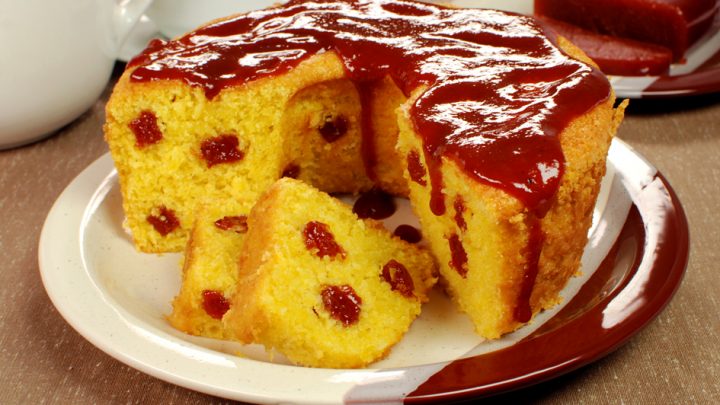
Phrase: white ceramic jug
(56, 57)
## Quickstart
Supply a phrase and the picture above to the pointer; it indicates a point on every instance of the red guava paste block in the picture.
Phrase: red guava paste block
(615, 56)
(675, 24)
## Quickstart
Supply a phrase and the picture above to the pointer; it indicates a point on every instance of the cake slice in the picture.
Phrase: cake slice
(209, 274)
(321, 286)
(504, 259)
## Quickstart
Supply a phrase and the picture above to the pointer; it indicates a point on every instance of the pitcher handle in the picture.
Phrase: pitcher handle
(125, 15)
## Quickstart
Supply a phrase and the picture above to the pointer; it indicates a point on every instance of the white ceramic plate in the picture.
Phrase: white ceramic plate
(118, 298)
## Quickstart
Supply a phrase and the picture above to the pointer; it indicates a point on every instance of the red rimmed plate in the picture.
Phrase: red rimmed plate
(118, 298)
(631, 287)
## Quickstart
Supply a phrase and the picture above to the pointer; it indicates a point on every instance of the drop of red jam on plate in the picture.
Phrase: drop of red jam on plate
(398, 277)
(215, 304)
(342, 303)
(333, 128)
(237, 224)
(416, 170)
(292, 171)
(146, 129)
(375, 204)
(408, 233)
(459, 259)
(221, 149)
(319, 239)
(165, 221)
(459, 205)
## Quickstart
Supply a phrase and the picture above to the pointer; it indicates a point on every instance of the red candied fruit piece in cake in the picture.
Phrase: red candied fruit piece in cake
(615, 56)
(675, 24)
(459, 206)
(237, 224)
(165, 221)
(215, 304)
(400, 280)
(221, 149)
(459, 259)
(333, 128)
(320, 240)
(416, 170)
(146, 129)
(342, 303)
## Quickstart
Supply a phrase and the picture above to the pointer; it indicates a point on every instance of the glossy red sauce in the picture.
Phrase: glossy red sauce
(221, 149)
(408, 233)
(214, 303)
(523, 312)
(342, 303)
(146, 129)
(400, 280)
(497, 91)
(333, 128)
(321, 241)
(165, 221)
(237, 224)
(458, 256)
(416, 170)
(375, 204)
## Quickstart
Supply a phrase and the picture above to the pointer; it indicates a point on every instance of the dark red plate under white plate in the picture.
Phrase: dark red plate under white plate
(118, 298)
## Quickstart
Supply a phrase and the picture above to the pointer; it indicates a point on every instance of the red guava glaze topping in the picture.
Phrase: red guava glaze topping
(292, 171)
(416, 170)
(320, 240)
(214, 303)
(459, 259)
(165, 221)
(498, 91)
(333, 128)
(408, 233)
(146, 129)
(375, 204)
(399, 278)
(237, 224)
(342, 303)
(221, 149)
(523, 312)
(459, 206)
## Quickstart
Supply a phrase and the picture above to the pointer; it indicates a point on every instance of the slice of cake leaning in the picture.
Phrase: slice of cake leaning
(321, 286)
(506, 246)
(209, 273)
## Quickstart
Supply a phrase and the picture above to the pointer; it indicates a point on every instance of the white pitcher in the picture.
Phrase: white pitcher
(56, 57)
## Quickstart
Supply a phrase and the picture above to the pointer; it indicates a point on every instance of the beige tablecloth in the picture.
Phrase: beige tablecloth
(676, 359)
